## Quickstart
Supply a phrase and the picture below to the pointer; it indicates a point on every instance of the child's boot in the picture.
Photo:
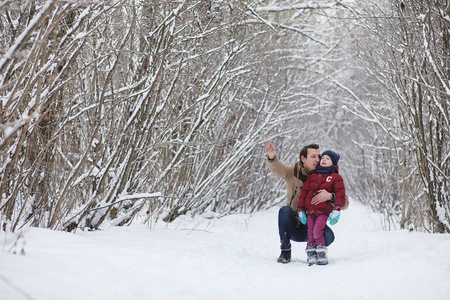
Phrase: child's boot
(311, 255)
(322, 258)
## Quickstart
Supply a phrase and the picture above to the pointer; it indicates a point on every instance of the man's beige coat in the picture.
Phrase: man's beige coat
(286, 172)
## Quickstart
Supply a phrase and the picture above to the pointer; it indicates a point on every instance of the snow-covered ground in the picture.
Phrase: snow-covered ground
(229, 258)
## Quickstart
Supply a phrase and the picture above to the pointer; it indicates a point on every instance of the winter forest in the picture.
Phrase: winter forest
(143, 111)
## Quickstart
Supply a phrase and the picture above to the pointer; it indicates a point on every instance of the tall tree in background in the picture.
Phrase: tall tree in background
(118, 109)
(404, 47)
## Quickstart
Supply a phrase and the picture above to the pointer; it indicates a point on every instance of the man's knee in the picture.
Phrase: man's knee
(328, 236)
(285, 210)
(285, 213)
(286, 219)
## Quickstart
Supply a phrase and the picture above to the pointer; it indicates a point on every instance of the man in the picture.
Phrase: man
(295, 175)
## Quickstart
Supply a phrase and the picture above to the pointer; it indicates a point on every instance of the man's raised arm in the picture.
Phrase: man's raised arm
(270, 150)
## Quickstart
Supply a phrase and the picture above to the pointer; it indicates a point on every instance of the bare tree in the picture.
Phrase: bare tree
(152, 109)
(403, 47)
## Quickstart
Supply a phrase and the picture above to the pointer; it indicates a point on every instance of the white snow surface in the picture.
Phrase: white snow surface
(233, 257)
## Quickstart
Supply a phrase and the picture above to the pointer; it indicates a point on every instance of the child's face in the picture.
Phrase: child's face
(325, 161)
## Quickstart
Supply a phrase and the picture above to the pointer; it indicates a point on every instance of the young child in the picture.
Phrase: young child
(325, 177)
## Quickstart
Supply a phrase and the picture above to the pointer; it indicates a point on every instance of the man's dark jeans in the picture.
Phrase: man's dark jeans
(290, 229)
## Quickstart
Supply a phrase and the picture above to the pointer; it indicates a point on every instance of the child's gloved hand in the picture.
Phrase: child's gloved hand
(334, 217)
(302, 217)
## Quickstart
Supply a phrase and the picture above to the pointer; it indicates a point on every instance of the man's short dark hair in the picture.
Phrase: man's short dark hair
(304, 151)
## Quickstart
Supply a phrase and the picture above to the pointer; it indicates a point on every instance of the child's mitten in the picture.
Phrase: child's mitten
(334, 217)
(302, 217)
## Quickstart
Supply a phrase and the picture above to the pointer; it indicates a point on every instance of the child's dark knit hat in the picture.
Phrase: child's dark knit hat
(333, 155)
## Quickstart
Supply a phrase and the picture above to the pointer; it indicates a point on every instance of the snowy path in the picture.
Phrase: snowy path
(230, 258)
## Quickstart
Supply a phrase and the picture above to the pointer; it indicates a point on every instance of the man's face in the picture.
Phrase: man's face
(312, 159)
